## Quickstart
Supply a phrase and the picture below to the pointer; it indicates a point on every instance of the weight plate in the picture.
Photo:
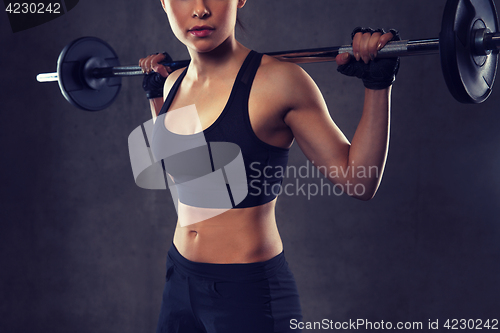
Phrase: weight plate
(469, 76)
(71, 68)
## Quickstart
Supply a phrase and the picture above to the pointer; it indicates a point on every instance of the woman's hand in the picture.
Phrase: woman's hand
(152, 63)
(377, 74)
(365, 46)
(154, 81)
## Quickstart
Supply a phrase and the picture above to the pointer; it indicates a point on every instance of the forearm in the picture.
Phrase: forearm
(156, 105)
(368, 150)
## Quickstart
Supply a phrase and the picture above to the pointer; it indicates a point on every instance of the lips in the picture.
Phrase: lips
(201, 31)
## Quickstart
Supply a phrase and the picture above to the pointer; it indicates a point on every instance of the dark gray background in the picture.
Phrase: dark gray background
(83, 248)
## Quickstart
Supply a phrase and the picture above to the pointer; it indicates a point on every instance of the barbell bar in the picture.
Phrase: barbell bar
(401, 48)
(89, 73)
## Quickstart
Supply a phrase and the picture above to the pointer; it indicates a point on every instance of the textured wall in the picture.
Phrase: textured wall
(83, 248)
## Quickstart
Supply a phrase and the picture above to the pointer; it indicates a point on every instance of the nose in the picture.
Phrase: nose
(201, 10)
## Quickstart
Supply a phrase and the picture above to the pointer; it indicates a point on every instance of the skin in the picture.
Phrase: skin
(284, 105)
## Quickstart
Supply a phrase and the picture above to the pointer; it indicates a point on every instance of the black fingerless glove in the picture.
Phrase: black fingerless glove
(153, 82)
(377, 74)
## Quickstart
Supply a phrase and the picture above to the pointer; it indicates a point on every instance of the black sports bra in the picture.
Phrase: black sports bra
(226, 165)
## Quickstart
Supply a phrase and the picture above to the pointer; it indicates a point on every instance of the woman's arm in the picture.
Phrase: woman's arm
(149, 64)
(368, 150)
(358, 165)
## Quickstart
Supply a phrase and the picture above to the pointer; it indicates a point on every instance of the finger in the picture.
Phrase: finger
(364, 50)
(148, 64)
(158, 58)
(155, 66)
(373, 44)
(145, 64)
(162, 70)
(343, 58)
(356, 45)
(141, 64)
(384, 39)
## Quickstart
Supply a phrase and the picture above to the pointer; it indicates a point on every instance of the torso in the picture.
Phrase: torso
(246, 234)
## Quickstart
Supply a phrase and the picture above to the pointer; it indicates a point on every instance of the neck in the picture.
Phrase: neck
(228, 54)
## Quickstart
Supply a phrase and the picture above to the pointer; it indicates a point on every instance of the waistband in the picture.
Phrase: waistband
(227, 272)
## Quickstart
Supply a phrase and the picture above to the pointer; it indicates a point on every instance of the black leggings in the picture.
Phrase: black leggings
(228, 298)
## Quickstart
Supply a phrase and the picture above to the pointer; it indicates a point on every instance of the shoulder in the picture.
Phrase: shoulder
(286, 81)
(281, 71)
(169, 82)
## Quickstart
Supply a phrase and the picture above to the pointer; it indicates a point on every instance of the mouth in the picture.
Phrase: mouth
(201, 31)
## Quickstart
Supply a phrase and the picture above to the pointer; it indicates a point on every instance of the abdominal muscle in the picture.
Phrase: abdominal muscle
(239, 235)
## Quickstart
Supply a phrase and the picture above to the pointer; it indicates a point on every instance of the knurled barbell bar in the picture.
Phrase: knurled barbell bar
(89, 73)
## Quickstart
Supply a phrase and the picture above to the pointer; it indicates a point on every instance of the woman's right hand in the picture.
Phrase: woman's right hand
(152, 63)
(156, 75)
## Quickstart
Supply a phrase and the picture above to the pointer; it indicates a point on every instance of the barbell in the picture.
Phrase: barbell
(89, 72)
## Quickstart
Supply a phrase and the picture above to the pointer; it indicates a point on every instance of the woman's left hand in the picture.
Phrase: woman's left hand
(377, 74)
(365, 46)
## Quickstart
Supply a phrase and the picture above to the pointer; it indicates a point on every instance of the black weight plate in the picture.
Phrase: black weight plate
(70, 70)
(469, 78)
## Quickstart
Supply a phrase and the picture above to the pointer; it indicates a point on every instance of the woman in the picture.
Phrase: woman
(228, 273)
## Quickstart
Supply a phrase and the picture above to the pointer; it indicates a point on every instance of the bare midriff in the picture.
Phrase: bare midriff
(243, 235)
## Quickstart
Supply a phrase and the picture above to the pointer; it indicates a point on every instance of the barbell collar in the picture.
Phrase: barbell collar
(491, 41)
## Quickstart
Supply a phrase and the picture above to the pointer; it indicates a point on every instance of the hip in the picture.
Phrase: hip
(253, 297)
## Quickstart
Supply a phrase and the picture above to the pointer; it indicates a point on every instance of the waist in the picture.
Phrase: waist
(236, 236)
(227, 272)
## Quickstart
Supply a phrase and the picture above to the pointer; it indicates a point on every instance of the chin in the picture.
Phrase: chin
(203, 48)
